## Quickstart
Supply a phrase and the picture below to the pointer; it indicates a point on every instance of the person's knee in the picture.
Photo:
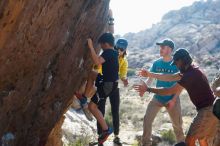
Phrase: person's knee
(92, 92)
(148, 120)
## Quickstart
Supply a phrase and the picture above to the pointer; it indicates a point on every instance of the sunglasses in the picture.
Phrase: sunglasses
(121, 49)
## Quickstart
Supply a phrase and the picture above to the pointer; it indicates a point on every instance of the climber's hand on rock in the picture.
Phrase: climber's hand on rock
(90, 43)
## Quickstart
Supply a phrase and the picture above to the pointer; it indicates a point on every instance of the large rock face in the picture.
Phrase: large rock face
(44, 60)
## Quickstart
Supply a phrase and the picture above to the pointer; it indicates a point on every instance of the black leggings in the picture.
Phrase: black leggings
(115, 102)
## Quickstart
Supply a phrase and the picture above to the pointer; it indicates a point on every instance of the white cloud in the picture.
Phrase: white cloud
(137, 15)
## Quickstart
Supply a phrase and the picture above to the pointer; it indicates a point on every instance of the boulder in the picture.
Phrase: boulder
(44, 60)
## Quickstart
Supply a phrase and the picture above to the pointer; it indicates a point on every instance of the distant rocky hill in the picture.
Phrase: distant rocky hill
(196, 27)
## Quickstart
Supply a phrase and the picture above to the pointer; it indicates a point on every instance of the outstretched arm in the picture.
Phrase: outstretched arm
(166, 91)
(177, 88)
(162, 77)
(98, 60)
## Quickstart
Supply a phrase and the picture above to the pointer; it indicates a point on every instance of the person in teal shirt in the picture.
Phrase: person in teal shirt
(161, 66)
(171, 102)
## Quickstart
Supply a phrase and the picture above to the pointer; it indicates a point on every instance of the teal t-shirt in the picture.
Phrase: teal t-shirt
(160, 66)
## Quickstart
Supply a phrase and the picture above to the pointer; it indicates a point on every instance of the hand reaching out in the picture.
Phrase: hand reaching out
(141, 88)
(125, 82)
(144, 73)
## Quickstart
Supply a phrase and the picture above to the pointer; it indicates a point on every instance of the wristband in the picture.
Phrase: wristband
(149, 90)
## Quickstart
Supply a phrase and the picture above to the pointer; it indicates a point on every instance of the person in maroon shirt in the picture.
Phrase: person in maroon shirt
(191, 78)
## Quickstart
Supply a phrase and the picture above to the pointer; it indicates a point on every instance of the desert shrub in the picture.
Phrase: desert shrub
(82, 141)
(168, 135)
(108, 117)
(131, 72)
(208, 63)
(136, 143)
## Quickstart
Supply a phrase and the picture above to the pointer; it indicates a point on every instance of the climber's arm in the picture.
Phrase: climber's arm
(98, 60)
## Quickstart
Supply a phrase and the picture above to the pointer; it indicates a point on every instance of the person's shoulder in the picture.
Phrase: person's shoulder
(175, 68)
(114, 52)
(111, 51)
(108, 51)
(192, 72)
(194, 69)
(157, 61)
(124, 58)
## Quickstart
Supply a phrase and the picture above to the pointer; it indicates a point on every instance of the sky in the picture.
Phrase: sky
(137, 15)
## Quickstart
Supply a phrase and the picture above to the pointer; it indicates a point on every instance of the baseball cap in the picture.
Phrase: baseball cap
(122, 44)
(166, 42)
(183, 54)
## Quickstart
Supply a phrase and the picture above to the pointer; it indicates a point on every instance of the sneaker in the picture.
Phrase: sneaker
(117, 141)
(84, 106)
(104, 136)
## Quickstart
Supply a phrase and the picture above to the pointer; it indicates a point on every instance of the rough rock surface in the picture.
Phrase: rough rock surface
(43, 59)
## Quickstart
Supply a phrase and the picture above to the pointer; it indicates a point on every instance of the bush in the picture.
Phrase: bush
(79, 142)
(131, 72)
(82, 140)
(136, 143)
(108, 117)
(168, 136)
(208, 63)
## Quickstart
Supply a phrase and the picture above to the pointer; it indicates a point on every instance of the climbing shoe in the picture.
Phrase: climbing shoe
(117, 141)
(104, 136)
(84, 106)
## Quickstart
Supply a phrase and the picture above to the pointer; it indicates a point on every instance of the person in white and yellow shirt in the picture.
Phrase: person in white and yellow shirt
(121, 46)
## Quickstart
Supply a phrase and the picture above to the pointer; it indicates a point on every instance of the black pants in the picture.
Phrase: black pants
(100, 100)
(115, 102)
